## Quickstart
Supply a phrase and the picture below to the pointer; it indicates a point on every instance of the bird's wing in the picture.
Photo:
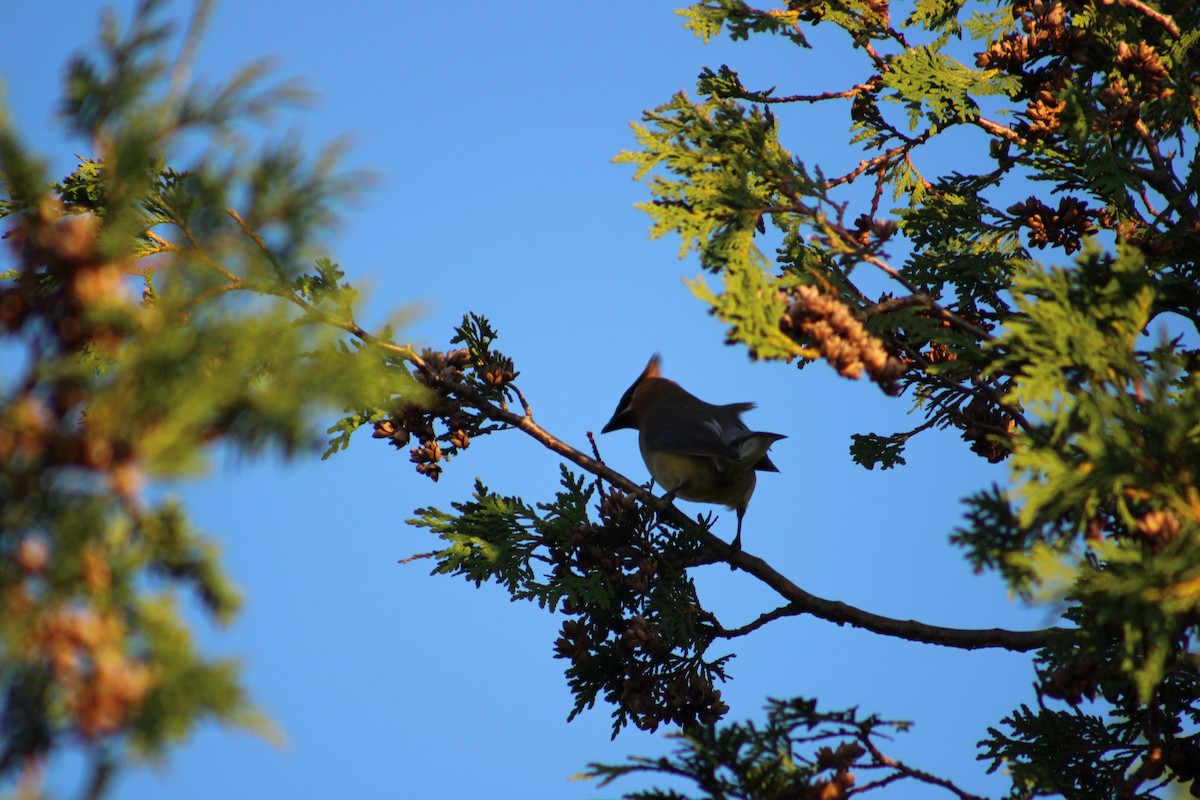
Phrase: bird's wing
(753, 446)
(702, 438)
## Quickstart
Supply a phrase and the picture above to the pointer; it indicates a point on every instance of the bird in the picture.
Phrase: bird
(695, 450)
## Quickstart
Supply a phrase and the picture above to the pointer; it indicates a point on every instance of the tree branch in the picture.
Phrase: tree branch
(799, 601)
(1166, 20)
(1003, 131)
(905, 771)
(842, 614)
(789, 610)
(877, 162)
(817, 98)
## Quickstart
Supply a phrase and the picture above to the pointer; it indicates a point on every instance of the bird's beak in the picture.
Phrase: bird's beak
(621, 419)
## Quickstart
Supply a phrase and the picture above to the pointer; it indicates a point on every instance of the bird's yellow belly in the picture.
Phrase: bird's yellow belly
(697, 478)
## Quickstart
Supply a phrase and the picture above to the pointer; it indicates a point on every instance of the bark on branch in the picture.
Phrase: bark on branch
(798, 600)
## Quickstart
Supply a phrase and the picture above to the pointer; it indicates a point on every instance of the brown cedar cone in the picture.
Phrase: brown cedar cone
(868, 228)
(841, 338)
(1045, 113)
(397, 437)
(615, 505)
(1064, 228)
(1159, 525)
(984, 425)
(1142, 61)
(1073, 681)
(428, 452)
(432, 471)
(499, 372)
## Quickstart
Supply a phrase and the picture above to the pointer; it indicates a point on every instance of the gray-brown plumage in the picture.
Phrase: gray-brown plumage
(694, 450)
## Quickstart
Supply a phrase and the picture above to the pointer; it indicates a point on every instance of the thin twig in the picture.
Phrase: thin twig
(916, 774)
(418, 557)
(920, 298)
(881, 181)
(1166, 20)
(880, 62)
(872, 785)
(789, 610)
(817, 98)
(868, 164)
(524, 403)
(181, 75)
(254, 237)
(924, 426)
(204, 297)
(211, 262)
(892, 304)
(591, 437)
(1003, 131)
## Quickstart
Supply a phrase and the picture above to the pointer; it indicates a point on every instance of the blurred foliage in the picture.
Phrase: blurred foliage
(151, 314)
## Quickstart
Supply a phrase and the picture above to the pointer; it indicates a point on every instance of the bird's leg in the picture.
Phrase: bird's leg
(666, 501)
(669, 497)
(736, 546)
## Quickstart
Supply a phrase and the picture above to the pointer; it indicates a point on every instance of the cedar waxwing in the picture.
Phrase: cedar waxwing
(694, 450)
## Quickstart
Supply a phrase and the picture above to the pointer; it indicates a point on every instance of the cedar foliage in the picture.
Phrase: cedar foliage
(1054, 330)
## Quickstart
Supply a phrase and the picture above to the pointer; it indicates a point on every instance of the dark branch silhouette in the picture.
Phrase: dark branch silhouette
(714, 549)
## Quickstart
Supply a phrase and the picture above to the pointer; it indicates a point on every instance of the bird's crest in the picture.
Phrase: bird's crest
(653, 368)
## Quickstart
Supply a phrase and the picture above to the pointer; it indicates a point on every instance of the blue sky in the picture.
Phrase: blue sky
(491, 130)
